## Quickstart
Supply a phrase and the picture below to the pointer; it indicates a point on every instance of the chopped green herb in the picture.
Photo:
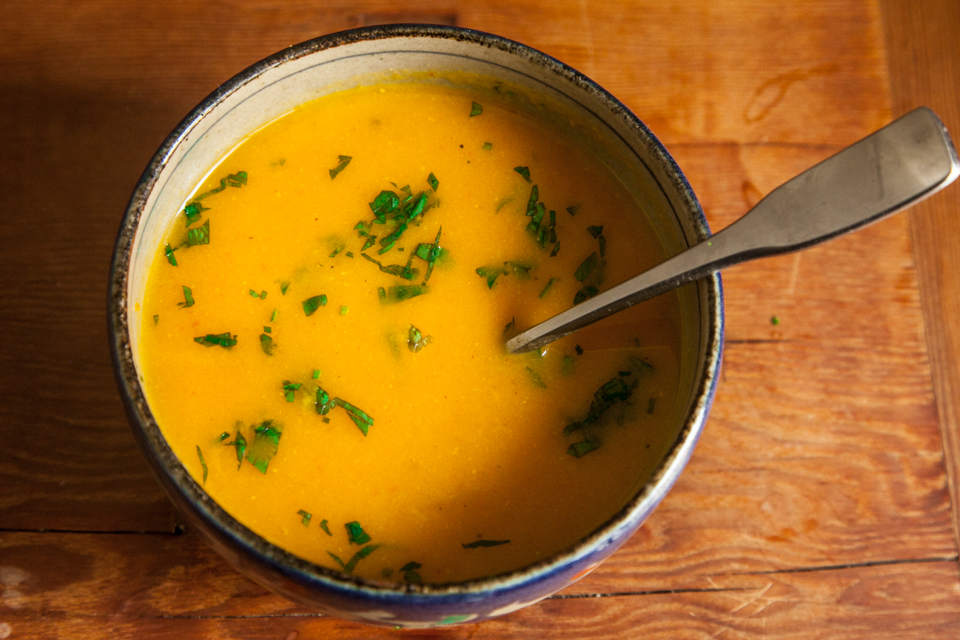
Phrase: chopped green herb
(284, 286)
(774, 320)
(433, 182)
(267, 329)
(382, 293)
(484, 543)
(361, 419)
(487, 146)
(290, 389)
(266, 344)
(491, 273)
(410, 572)
(156, 319)
(556, 249)
(225, 340)
(524, 171)
(273, 318)
(386, 202)
(566, 366)
(550, 283)
(613, 391)
(263, 294)
(343, 310)
(337, 249)
(316, 374)
(522, 271)
(536, 379)
(510, 325)
(476, 109)
(360, 555)
(240, 444)
(578, 349)
(223, 436)
(310, 305)
(355, 533)
(603, 246)
(237, 179)
(586, 267)
(573, 210)
(305, 519)
(349, 254)
(168, 251)
(580, 449)
(266, 439)
(416, 340)
(404, 292)
(203, 464)
(650, 405)
(187, 297)
(432, 255)
(253, 293)
(342, 162)
(585, 294)
(401, 271)
(595, 230)
(326, 529)
(193, 210)
(199, 235)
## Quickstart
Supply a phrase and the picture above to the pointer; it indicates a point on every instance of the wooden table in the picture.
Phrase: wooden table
(823, 498)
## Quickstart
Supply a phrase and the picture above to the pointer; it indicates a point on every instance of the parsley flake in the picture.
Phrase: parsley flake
(595, 230)
(199, 235)
(187, 297)
(524, 171)
(433, 182)
(476, 109)
(168, 251)
(203, 464)
(266, 440)
(326, 529)
(484, 543)
(305, 519)
(549, 284)
(342, 162)
(266, 343)
(225, 340)
(355, 533)
(310, 305)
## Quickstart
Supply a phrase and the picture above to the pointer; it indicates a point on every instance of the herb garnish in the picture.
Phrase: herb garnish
(536, 379)
(410, 572)
(484, 543)
(359, 555)
(432, 255)
(524, 171)
(488, 145)
(556, 249)
(578, 349)
(305, 520)
(586, 267)
(510, 325)
(240, 444)
(566, 366)
(476, 109)
(416, 340)
(550, 283)
(192, 211)
(168, 251)
(603, 246)
(580, 449)
(325, 403)
(401, 271)
(326, 529)
(310, 305)
(199, 235)
(650, 405)
(573, 210)
(342, 161)
(266, 439)
(289, 389)
(355, 533)
(595, 230)
(187, 297)
(403, 292)
(225, 340)
(203, 464)
(316, 374)
(156, 318)
(223, 436)
(266, 343)
(491, 273)
(433, 182)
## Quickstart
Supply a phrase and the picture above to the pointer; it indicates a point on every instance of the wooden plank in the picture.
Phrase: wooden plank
(89, 585)
(923, 53)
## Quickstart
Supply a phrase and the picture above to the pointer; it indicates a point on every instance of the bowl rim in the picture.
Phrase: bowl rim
(186, 493)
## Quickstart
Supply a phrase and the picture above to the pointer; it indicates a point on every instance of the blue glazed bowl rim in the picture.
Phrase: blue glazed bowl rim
(187, 494)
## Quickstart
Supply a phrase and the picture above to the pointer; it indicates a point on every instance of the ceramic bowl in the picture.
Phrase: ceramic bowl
(331, 63)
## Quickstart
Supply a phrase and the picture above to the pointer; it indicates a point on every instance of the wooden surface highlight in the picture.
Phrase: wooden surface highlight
(822, 500)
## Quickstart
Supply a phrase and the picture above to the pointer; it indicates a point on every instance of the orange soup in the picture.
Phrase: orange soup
(324, 327)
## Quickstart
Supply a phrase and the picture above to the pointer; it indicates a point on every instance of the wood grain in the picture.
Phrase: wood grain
(924, 57)
(90, 586)
(823, 497)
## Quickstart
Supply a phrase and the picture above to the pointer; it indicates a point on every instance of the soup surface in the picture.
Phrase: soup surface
(323, 333)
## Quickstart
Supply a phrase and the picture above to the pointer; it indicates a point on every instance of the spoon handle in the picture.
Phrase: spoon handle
(889, 170)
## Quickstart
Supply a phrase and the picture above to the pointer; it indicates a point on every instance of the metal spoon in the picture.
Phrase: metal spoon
(908, 160)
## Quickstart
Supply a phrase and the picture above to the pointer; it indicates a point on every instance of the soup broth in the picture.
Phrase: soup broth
(323, 333)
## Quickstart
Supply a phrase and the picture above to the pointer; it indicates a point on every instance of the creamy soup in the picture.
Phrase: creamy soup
(324, 326)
